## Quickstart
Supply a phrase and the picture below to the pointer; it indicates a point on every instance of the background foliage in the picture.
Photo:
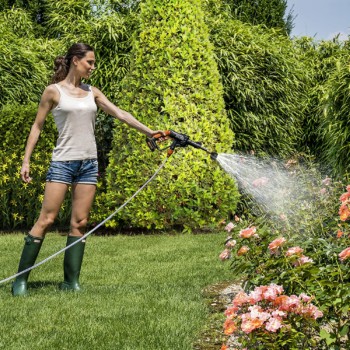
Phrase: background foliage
(271, 13)
(281, 95)
(265, 86)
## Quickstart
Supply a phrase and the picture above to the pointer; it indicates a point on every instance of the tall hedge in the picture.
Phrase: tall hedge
(320, 60)
(334, 129)
(173, 83)
(265, 85)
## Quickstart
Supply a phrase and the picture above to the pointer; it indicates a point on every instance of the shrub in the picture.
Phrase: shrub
(268, 319)
(311, 257)
(173, 83)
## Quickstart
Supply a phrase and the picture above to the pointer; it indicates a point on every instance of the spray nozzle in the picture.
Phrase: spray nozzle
(179, 140)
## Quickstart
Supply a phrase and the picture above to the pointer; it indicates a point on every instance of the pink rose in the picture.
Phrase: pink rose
(327, 181)
(345, 254)
(344, 211)
(345, 197)
(243, 250)
(323, 191)
(283, 217)
(230, 243)
(302, 260)
(240, 299)
(229, 226)
(294, 251)
(260, 182)
(273, 324)
(274, 245)
(248, 325)
(247, 232)
(226, 254)
(305, 297)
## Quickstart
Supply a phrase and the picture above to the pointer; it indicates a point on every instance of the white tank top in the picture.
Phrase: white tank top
(75, 120)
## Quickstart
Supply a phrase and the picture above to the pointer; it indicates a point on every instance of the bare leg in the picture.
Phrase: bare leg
(82, 198)
(53, 199)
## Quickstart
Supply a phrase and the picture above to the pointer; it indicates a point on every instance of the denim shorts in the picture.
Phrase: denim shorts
(73, 171)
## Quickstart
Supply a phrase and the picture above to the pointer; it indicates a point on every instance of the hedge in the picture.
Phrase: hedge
(173, 83)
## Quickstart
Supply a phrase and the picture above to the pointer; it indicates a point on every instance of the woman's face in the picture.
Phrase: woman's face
(85, 65)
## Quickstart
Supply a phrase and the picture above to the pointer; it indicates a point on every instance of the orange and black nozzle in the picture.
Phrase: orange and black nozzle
(179, 140)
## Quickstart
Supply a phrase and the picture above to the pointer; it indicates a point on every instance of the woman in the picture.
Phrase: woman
(74, 159)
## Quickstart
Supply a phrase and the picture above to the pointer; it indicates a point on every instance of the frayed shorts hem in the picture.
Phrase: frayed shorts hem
(73, 172)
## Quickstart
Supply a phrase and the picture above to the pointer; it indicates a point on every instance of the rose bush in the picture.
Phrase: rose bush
(310, 260)
(267, 317)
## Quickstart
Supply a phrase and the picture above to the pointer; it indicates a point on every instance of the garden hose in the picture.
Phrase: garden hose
(91, 231)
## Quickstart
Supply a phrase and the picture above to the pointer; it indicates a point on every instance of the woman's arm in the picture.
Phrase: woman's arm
(109, 108)
(46, 103)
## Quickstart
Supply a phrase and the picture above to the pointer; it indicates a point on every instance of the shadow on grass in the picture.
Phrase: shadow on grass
(41, 284)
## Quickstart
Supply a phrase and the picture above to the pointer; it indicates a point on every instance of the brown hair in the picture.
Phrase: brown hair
(62, 63)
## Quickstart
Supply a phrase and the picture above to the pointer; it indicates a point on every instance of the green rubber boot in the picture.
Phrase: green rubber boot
(30, 252)
(73, 259)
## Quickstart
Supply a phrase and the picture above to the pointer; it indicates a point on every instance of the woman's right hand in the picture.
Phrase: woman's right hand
(25, 173)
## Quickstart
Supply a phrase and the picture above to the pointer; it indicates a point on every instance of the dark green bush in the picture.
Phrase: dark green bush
(173, 83)
(25, 64)
(320, 60)
(334, 127)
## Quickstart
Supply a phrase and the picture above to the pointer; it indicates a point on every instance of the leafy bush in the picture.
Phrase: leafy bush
(268, 319)
(173, 83)
(24, 60)
(265, 85)
(20, 203)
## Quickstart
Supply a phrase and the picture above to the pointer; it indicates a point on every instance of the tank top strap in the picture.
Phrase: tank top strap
(58, 88)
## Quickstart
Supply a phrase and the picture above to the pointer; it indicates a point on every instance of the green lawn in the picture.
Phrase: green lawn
(140, 293)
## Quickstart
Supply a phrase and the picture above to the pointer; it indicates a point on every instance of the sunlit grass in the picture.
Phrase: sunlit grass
(140, 292)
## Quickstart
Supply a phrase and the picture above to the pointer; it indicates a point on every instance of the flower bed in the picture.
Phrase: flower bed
(297, 280)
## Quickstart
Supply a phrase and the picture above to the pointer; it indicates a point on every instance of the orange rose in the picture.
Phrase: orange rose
(345, 254)
(229, 327)
(243, 250)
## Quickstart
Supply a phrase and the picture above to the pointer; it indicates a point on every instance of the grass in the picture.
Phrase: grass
(140, 293)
